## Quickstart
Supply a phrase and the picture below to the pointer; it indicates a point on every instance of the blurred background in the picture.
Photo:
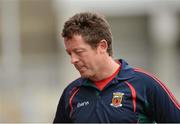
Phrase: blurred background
(34, 68)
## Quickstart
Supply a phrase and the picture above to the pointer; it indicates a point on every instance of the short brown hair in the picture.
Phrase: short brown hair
(91, 26)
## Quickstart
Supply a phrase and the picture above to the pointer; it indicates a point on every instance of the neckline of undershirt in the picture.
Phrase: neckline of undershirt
(102, 83)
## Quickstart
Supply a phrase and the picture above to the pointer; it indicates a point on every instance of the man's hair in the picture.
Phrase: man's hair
(92, 27)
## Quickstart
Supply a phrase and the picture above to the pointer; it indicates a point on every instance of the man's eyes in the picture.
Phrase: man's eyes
(79, 51)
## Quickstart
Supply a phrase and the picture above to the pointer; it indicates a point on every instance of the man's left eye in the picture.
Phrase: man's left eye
(80, 51)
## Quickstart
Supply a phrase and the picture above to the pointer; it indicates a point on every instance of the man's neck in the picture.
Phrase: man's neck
(108, 68)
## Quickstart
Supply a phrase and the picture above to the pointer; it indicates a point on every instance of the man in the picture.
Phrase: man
(108, 90)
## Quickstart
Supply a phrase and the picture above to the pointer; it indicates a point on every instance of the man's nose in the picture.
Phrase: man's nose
(74, 59)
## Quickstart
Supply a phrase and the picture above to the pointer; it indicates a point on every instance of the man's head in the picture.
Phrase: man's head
(92, 27)
(87, 40)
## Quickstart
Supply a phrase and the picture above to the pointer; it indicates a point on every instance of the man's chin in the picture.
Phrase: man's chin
(84, 75)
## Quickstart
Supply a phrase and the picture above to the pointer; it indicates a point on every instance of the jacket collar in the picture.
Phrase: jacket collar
(126, 72)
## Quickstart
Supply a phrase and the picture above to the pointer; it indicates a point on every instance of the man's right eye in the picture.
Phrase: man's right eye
(79, 51)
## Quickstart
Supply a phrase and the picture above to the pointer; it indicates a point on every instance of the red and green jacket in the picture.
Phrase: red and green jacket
(132, 96)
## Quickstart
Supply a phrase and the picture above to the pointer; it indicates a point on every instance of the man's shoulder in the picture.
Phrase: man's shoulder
(146, 78)
(140, 73)
(75, 84)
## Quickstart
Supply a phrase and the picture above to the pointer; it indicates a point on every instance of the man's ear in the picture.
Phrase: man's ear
(103, 46)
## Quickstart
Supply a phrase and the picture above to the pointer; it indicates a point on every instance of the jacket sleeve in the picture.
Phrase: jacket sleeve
(62, 115)
(164, 105)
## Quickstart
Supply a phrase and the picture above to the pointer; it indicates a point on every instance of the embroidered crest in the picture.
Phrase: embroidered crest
(117, 99)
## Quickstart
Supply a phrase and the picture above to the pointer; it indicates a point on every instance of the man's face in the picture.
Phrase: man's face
(85, 59)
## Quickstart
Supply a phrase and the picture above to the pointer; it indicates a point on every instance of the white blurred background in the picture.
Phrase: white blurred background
(34, 68)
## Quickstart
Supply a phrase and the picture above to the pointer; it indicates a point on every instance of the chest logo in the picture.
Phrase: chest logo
(117, 99)
(85, 103)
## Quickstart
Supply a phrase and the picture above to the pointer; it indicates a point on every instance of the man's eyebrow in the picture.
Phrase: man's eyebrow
(75, 49)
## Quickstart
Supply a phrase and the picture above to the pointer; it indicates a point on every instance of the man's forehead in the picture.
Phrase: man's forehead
(75, 40)
(73, 36)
